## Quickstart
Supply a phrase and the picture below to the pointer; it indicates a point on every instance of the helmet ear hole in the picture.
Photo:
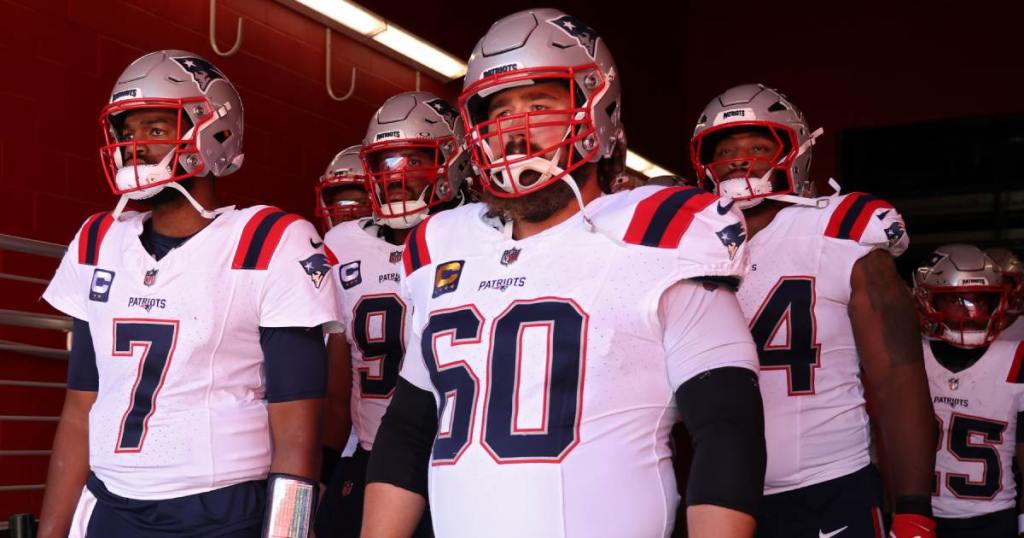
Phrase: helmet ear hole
(222, 136)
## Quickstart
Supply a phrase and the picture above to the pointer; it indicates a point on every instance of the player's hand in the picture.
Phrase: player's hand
(912, 526)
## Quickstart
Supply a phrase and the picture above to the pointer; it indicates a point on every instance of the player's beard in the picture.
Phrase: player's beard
(534, 207)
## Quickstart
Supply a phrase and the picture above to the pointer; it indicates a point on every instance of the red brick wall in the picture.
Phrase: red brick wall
(59, 60)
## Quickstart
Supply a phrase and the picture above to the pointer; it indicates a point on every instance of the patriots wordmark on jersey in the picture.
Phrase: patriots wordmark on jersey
(554, 359)
(977, 410)
(369, 272)
(180, 406)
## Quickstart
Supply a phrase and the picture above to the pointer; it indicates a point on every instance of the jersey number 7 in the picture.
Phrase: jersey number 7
(156, 340)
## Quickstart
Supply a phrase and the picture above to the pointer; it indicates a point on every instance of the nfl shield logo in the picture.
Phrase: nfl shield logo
(954, 383)
(150, 277)
(510, 256)
(395, 257)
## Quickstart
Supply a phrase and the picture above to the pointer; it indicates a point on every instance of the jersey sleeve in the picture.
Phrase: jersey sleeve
(67, 289)
(707, 233)
(413, 369)
(869, 222)
(1019, 406)
(704, 329)
(297, 289)
(861, 223)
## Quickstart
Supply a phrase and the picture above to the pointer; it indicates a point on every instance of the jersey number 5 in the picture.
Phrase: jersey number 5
(973, 439)
(155, 339)
(785, 333)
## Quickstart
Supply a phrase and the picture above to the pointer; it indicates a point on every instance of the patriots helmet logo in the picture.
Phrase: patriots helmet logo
(445, 110)
(585, 35)
(933, 259)
(894, 233)
(732, 237)
(317, 268)
(202, 71)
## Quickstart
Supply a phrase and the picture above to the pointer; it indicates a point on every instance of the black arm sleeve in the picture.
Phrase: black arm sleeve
(401, 451)
(82, 372)
(296, 363)
(723, 412)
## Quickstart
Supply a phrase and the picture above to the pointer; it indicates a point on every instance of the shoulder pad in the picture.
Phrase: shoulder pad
(90, 237)
(416, 253)
(661, 219)
(1016, 372)
(260, 237)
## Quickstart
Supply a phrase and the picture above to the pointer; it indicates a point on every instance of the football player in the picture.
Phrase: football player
(558, 334)
(340, 192)
(976, 390)
(197, 365)
(823, 300)
(417, 164)
(1013, 276)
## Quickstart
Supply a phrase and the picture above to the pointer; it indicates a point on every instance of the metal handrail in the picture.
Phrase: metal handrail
(35, 320)
(25, 452)
(32, 384)
(31, 246)
(23, 487)
(22, 278)
(37, 351)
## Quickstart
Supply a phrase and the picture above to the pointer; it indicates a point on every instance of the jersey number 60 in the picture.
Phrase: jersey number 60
(565, 325)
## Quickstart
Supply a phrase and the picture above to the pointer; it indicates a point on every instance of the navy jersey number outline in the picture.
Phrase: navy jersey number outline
(958, 442)
(157, 338)
(500, 436)
(386, 351)
(790, 302)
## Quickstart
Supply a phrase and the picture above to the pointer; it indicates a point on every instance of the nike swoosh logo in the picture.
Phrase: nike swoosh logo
(315, 244)
(831, 534)
(725, 209)
(883, 214)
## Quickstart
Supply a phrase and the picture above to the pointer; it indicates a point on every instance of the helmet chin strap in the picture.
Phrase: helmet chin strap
(405, 222)
(205, 213)
(591, 226)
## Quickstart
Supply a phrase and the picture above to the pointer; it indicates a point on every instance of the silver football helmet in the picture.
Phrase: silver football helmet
(200, 134)
(344, 171)
(415, 158)
(1013, 276)
(961, 296)
(534, 47)
(754, 107)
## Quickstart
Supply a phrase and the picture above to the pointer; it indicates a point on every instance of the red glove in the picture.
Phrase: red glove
(912, 526)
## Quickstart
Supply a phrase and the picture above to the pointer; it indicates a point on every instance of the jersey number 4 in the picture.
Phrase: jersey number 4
(785, 333)
(155, 341)
(505, 435)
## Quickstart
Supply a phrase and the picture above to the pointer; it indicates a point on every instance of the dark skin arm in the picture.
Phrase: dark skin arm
(337, 413)
(69, 465)
(888, 339)
(295, 428)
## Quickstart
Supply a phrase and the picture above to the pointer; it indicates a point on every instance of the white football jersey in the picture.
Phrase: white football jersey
(795, 299)
(977, 413)
(553, 367)
(1015, 332)
(180, 408)
(369, 272)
